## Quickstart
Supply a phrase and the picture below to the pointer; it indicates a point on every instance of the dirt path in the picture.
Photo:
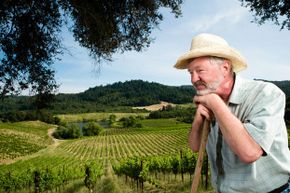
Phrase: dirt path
(56, 142)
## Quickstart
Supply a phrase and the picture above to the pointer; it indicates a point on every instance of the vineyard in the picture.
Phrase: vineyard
(154, 158)
(19, 139)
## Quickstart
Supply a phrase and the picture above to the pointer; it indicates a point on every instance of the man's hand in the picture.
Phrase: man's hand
(202, 111)
(207, 100)
(204, 105)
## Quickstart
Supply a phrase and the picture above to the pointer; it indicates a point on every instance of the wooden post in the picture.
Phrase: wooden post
(197, 171)
(36, 181)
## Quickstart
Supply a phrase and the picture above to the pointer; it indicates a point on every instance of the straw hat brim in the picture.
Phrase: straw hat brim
(238, 62)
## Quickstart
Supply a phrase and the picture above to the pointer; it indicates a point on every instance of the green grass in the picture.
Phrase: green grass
(23, 138)
(31, 127)
(164, 124)
(187, 105)
(95, 116)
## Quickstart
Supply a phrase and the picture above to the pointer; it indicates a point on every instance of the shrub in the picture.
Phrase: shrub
(130, 122)
(182, 114)
(91, 129)
(71, 132)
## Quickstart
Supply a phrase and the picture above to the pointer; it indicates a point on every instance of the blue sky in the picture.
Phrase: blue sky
(265, 47)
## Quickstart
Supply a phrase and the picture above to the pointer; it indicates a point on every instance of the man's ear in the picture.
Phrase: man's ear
(226, 67)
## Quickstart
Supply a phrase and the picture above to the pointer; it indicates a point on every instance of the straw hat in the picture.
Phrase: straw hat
(211, 45)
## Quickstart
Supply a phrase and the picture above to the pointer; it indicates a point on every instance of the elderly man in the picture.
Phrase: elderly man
(248, 143)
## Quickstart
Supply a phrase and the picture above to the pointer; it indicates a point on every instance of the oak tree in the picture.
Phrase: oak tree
(30, 35)
(277, 11)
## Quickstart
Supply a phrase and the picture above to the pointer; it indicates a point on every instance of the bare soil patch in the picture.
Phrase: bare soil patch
(155, 107)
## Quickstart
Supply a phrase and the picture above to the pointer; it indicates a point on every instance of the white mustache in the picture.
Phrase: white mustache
(198, 83)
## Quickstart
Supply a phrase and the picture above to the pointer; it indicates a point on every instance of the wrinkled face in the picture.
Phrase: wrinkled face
(206, 77)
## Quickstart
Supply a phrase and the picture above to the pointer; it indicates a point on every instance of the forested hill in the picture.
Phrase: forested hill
(102, 98)
(120, 94)
(137, 93)
(116, 96)
(141, 93)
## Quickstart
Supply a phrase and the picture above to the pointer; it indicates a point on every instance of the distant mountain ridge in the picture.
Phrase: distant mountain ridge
(117, 95)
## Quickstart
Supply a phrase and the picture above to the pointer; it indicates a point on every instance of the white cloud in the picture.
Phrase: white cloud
(222, 18)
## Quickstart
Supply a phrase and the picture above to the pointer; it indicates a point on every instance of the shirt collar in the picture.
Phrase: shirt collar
(237, 92)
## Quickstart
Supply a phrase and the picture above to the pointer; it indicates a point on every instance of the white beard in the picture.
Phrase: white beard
(211, 87)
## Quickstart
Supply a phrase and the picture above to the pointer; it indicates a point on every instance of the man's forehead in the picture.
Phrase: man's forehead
(197, 62)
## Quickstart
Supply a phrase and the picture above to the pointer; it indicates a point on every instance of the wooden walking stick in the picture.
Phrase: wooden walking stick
(197, 171)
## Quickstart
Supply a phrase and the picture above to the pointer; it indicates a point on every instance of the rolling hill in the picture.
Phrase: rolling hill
(119, 96)
(115, 96)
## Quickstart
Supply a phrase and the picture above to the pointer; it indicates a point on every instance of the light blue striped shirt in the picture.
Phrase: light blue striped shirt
(260, 107)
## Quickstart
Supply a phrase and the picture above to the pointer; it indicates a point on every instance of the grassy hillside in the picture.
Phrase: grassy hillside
(23, 138)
